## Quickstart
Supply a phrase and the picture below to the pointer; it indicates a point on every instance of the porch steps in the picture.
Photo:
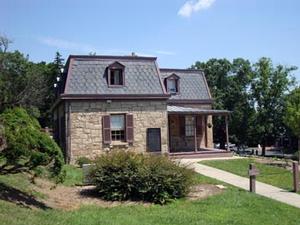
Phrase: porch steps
(201, 154)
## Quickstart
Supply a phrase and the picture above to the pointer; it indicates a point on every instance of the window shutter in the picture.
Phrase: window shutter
(182, 125)
(106, 129)
(199, 125)
(129, 128)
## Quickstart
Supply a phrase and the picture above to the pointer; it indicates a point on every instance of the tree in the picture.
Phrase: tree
(50, 78)
(292, 114)
(4, 43)
(216, 72)
(268, 88)
(22, 83)
(29, 85)
(26, 146)
(229, 84)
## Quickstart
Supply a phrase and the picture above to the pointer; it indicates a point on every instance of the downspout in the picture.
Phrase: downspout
(68, 132)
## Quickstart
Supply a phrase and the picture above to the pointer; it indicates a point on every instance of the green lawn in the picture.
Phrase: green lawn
(73, 175)
(234, 206)
(268, 174)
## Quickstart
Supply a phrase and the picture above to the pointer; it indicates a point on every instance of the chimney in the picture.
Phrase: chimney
(133, 54)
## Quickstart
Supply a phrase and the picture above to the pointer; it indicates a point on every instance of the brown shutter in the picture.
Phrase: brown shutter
(199, 125)
(182, 125)
(129, 128)
(106, 129)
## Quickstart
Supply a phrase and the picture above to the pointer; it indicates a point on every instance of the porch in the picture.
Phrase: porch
(190, 132)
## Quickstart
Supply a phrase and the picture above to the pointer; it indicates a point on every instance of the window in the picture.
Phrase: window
(172, 86)
(116, 77)
(117, 124)
(189, 126)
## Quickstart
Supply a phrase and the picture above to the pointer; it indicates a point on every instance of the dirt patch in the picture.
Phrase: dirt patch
(203, 191)
(71, 198)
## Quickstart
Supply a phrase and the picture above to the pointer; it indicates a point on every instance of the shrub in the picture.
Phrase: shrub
(83, 160)
(26, 146)
(120, 175)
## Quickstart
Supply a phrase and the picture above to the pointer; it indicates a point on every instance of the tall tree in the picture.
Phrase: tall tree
(229, 84)
(216, 72)
(51, 77)
(269, 87)
(292, 114)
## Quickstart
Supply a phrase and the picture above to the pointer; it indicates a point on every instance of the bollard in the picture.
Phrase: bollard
(296, 176)
(252, 174)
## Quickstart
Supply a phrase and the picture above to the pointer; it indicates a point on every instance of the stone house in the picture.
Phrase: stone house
(128, 102)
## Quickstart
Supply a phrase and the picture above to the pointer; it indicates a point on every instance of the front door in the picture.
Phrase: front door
(153, 140)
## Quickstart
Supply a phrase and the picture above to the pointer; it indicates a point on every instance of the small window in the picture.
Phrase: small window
(172, 86)
(117, 124)
(116, 77)
(189, 126)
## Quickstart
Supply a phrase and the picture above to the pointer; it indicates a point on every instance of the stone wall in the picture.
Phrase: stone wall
(86, 125)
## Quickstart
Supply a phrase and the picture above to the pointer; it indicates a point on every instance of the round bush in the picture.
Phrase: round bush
(121, 175)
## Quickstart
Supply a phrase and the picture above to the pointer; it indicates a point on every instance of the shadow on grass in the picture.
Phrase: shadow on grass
(90, 192)
(18, 197)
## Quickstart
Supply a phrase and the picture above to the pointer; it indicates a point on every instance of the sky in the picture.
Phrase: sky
(178, 32)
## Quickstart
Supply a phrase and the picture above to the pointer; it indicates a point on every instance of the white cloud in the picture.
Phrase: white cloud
(75, 47)
(67, 45)
(194, 6)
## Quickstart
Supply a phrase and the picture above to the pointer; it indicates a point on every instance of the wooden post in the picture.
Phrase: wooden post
(252, 174)
(195, 132)
(296, 176)
(227, 136)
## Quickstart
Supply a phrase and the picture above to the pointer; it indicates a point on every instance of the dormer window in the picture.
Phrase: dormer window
(172, 84)
(116, 77)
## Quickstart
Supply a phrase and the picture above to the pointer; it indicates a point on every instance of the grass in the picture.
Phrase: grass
(73, 175)
(233, 206)
(273, 175)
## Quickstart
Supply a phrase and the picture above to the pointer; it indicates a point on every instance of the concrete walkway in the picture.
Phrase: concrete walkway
(242, 182)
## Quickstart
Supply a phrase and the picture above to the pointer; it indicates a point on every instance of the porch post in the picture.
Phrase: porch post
(195, 132)
(227, 136)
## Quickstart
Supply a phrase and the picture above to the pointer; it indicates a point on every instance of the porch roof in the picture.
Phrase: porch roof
(187, 110)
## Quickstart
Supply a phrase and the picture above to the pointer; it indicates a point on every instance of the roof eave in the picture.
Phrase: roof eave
(113, 96)
(191, 101)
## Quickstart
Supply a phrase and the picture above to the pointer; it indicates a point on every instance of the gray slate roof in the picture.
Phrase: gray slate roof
(87, 76)
(192, 84)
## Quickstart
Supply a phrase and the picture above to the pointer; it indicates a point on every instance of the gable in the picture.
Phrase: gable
(193, 85)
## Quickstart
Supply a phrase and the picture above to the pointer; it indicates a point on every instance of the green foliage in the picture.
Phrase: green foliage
(268, 90)
(292, 113)
(28, 147)
(83, 160)
(255, 93)
(229, 84)
(27, 84)
(123, 175)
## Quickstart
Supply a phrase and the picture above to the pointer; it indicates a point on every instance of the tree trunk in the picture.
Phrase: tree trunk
(299, 149)
(263, 151)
